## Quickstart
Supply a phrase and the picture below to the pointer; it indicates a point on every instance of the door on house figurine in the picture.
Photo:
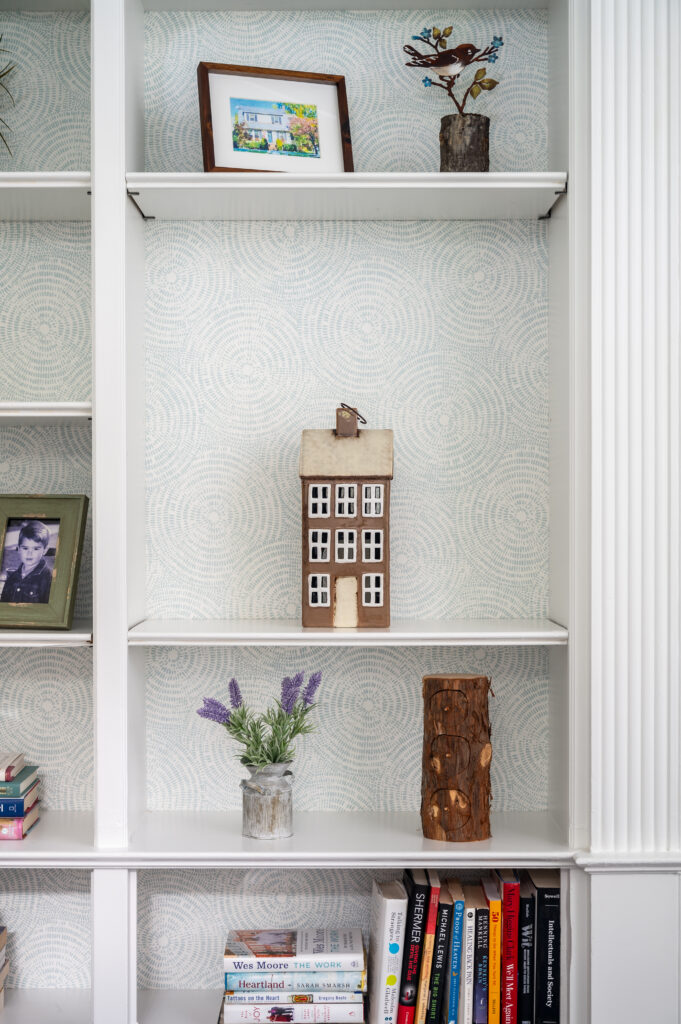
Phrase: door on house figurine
(345, 601)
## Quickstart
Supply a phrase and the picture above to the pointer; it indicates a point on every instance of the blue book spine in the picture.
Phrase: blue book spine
(455, 964)
(13, 808)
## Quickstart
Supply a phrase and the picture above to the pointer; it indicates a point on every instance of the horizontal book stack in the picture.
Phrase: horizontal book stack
(19, 803)
(305, 976)
(481, 953)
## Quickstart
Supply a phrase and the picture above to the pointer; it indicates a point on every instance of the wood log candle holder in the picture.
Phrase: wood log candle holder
(457, 753)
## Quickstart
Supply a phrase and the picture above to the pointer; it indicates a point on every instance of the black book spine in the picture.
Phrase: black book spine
(547, 1002)
(438, 973)
(481, 967)
(526, 960)
(413, 944)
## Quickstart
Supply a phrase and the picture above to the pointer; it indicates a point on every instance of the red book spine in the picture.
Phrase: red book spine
(510, 915)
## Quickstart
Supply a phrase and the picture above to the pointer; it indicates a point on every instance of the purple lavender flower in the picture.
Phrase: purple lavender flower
(214, 711)
(235, 698)
(311, 688)
(290, 688)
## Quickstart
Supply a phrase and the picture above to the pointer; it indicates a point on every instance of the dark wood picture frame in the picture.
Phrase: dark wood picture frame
(206, 68)
(71, 511)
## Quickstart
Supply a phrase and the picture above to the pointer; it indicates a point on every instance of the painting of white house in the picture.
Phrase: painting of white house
(263, 126)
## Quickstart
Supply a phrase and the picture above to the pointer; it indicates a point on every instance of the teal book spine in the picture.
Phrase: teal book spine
(455, 963)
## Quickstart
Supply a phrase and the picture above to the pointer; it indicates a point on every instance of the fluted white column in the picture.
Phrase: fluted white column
(636, 392)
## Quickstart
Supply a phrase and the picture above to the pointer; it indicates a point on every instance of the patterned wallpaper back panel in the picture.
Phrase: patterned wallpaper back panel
(50, 121)
(394, 119)
(47, 914)
(257, 330)
(366, 752)
(46, 311)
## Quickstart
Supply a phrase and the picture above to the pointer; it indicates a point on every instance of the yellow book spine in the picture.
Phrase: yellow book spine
(494, 1003)
(424, 979)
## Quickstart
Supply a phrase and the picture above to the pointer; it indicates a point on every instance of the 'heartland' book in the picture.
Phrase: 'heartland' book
(304, 949)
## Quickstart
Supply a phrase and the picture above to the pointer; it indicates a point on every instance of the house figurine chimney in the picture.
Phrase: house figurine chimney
(347, 422)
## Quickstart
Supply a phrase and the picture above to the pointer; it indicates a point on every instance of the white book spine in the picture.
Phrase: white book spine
(386, 948)
(269, 997)
(468, 964)
(288, 1013)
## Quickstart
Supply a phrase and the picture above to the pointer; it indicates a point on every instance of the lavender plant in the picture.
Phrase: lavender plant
(266, 738)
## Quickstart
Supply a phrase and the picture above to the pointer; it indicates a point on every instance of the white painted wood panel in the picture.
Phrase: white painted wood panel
(80, 635)
(44, 195)
(46, 1006)
(15, 413)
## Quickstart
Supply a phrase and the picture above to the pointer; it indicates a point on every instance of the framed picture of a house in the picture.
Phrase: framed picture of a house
(261, 119)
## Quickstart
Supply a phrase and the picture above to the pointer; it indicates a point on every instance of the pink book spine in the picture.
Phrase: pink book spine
(11, 828)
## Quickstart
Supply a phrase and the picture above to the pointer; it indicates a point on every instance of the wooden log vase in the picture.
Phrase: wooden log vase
(457, 753)
(464, 142)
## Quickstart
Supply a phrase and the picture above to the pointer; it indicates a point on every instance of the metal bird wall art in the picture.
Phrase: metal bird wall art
(447, 63)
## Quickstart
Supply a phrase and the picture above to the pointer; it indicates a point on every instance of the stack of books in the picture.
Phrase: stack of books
(483, 953)
(4, 965)
(19, 804)
(304, 976)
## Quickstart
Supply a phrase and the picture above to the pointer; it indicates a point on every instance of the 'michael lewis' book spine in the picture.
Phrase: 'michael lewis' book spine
(547, 1002)
(416, 884)
(438, 977)
(526, 955)
(481, 969)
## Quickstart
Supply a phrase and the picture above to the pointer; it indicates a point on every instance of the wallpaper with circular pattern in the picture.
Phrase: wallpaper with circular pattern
(46, 711)
(366, 752)
(50, 119)
(257, 330)
(52, 460)
(47, 914)
(394, 120)
(46, 311)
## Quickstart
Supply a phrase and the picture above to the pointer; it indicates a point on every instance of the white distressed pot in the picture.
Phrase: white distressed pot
(267, 802)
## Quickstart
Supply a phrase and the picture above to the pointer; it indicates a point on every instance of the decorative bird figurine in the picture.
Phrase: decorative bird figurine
(444, 63)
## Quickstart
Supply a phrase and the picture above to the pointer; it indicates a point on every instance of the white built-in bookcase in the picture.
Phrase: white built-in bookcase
(225, 315)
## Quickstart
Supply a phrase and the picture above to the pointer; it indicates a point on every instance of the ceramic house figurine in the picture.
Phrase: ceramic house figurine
(345, 475)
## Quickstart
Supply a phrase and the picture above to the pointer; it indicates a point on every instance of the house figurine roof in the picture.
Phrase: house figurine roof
(325, 453)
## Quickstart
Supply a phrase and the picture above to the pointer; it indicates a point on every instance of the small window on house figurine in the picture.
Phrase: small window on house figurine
(372, 590)
(372, 501)
(372, 545)
(318, 503)
(319, 545)
(319, 590)
(346, 501)
(346, 545)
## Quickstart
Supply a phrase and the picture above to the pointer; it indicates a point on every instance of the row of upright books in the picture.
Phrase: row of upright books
(483, 953)
(19, 803)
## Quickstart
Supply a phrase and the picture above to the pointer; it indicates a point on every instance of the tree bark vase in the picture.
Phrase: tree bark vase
(457, 754)
(464, 142)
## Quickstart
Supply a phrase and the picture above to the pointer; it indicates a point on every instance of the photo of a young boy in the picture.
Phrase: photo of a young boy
(28, 560)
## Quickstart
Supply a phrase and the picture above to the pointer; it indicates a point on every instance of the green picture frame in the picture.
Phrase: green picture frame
(47, 603)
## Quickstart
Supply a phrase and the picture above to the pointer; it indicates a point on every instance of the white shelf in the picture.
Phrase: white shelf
(12, 413)
(80, 635)
(59, 838)
(224, 196)
(403, 633)
(315, 5)
(44, 196)
(169, 1006)
(47, 1006)
(330, 839)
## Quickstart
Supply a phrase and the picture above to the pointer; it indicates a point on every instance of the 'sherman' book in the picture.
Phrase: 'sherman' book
(453, 980)
(24, 780)
(303, 949)
(510, 904)
(386, 950)
(428, 944)
(547, 946)
(526, 928)
(416, 884)
(470, 893)
(440, 968)
(18, 806)
(268, 996)
(296, 981)
(294, 1013)
(481, 969)
(18, 828)
(10, 766)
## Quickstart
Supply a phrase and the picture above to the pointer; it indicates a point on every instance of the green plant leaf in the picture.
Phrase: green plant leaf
(489, 83)
(475, 91)
(448, 31)
(480, 73)
(441, 43)
(436, 33)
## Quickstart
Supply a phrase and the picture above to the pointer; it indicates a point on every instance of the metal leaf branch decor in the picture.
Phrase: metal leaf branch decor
(447, 63)
(5, 72)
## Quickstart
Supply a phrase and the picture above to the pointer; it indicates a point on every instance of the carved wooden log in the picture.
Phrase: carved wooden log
(464, 142)
(457, 753)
